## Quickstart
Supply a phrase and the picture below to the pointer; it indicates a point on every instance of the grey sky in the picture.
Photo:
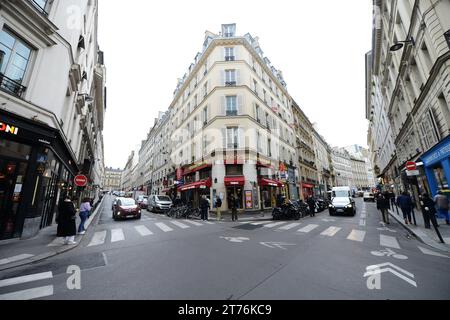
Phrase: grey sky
(319, 46)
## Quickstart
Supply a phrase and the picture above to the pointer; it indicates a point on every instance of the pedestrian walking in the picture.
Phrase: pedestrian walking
(404, 201)
(312, 206)
(67, 227)
(280, 200)
(204, 208)
(85, 212)
(383, 205)
(428, 211)
(392, 198)
(209, 208)
(218, 208)
(442, 206)
(234, 206)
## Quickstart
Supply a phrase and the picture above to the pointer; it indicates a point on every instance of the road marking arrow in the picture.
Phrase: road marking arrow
(277, 245)
(377, 269)
(235, 239)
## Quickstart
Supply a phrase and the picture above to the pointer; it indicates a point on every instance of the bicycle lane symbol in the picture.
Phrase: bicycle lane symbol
(389, 253)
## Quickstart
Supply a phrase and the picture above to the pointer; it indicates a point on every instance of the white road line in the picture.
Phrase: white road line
(362, 222)
(25, 279)
(274, 224)
(388, 241)
(432, 253)
(29, 294)
(260, 223)
(163, 227)
(289, 226)
(194, 223)
(308, 228)
(143, 231)
(357, 235)
(363, 215)
(15, 258)
(56, 243)
(117, 235)
(331, 231)
(98, 238)
(179, 224)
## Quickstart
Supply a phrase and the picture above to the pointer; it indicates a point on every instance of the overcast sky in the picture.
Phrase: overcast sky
(318, 45)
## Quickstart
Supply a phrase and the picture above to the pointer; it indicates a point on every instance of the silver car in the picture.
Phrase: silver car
(159, 203)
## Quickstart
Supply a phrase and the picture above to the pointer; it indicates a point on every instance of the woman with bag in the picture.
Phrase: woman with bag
(85, 211)
(67, 227)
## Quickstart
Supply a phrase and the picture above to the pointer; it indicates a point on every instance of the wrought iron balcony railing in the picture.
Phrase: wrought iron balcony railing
(40, 5)
(11, 86)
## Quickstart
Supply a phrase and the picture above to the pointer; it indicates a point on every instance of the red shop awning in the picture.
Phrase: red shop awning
(234, 181)
(195, 169)
(270, 183)
(309, 186)
(196, 185)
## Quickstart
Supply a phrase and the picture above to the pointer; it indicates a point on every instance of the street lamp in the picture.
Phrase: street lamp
(399, 44)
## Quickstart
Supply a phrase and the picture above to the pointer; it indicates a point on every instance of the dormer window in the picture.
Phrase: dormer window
(229, 30)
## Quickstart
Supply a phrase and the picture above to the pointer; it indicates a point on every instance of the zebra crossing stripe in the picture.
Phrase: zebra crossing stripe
(98, 238)
(117, 235)
(308, 228)
(274, 224)
(194, 223)
(25, 279)
(357, 235)
(16, 258)
(331, 231)
(260, 223)
(179, 224)
(28, 294)
(388, 241)
(143, 231)
(163, 227)
(289, 226)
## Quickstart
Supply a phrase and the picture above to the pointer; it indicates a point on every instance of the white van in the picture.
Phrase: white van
(342, 201)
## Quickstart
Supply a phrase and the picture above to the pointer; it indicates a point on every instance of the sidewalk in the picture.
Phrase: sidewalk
(16, 252)
(427, 236)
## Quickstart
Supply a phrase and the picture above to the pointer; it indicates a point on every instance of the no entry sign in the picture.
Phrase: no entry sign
(411, 166)
(81, 181)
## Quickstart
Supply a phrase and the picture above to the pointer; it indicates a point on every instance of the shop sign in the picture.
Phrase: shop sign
(4, 127)
(249, 199)
(441, 153)
(81, 181)
(412, 173)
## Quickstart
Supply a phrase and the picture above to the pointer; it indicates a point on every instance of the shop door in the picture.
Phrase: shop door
(12, 176)
(238, 194)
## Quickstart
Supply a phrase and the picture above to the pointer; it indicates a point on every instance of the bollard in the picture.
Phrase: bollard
(435, 226)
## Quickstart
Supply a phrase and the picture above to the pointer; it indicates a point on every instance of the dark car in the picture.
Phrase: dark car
(126, 207)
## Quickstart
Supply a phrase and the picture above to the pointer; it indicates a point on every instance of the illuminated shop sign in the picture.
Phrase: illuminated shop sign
(4, 127)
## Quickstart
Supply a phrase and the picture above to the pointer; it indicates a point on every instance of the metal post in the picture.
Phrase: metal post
(433, 221)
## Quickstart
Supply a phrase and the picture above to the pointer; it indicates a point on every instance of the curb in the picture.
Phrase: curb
(420, 235)
(50, 254)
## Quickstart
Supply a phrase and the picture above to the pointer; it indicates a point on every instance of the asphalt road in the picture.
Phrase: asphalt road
(314, 258)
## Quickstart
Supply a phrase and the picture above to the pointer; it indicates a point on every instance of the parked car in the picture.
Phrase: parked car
(342, 202)
(368, 196)
(159, 203)
(142, 201)
(126, 207)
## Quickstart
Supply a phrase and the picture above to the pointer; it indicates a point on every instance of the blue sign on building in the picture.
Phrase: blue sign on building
(436, 162)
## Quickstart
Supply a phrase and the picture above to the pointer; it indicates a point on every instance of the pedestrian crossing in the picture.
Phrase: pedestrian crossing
(27, 294)
(119, 234)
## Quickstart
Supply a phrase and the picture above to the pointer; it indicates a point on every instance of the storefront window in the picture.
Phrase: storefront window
(14, 150)
(234, 170)
(441, 179)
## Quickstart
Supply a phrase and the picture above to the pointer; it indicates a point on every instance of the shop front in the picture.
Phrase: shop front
(307, 190)
(436, 163)
(235, 188)
(192, 192)
(269, 189)
(34, 174)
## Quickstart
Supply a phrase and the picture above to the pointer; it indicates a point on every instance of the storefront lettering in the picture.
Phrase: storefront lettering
(8, 129)
(439, 154)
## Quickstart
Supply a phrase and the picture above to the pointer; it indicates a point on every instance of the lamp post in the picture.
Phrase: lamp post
(399, 44)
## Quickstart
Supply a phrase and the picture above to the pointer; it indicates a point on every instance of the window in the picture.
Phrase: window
(269, 147)
(232, 138)
(230, 78)
(195, 101)
(228, 30)
(40, 5)
(205, 116)
(264, 96)
(229, 54)
(205, 89)
(231, 105)
(258, 142)
(257, 113)
(15, 62)
(255, 86)
(234, 170)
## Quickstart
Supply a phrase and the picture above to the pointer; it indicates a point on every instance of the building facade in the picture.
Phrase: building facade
(412, 83)
(112, 179)
(342, 165)
(52, 97)
(323, 164)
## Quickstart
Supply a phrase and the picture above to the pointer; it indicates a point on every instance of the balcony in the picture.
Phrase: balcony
(230, 84)
(40, 5)
(11, 86)
(230, 58)
(231, 113)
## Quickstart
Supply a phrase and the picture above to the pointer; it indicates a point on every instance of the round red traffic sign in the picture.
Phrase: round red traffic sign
(411, 166)
(81, 181)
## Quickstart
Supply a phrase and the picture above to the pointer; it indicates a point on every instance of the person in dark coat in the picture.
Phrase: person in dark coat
(67, 227)
(383, 204)
(204, 205)
(312, 206)
(280, 200)
(405, 203)
(428, 211)
(233, 206)
(392, 198)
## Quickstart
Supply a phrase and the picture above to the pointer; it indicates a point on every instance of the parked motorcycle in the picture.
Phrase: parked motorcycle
(302, 207)
(287, 211)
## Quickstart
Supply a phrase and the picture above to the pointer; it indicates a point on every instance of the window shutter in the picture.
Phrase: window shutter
(223, 106)
(241, 138)
(240, 106)
(224, 138)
